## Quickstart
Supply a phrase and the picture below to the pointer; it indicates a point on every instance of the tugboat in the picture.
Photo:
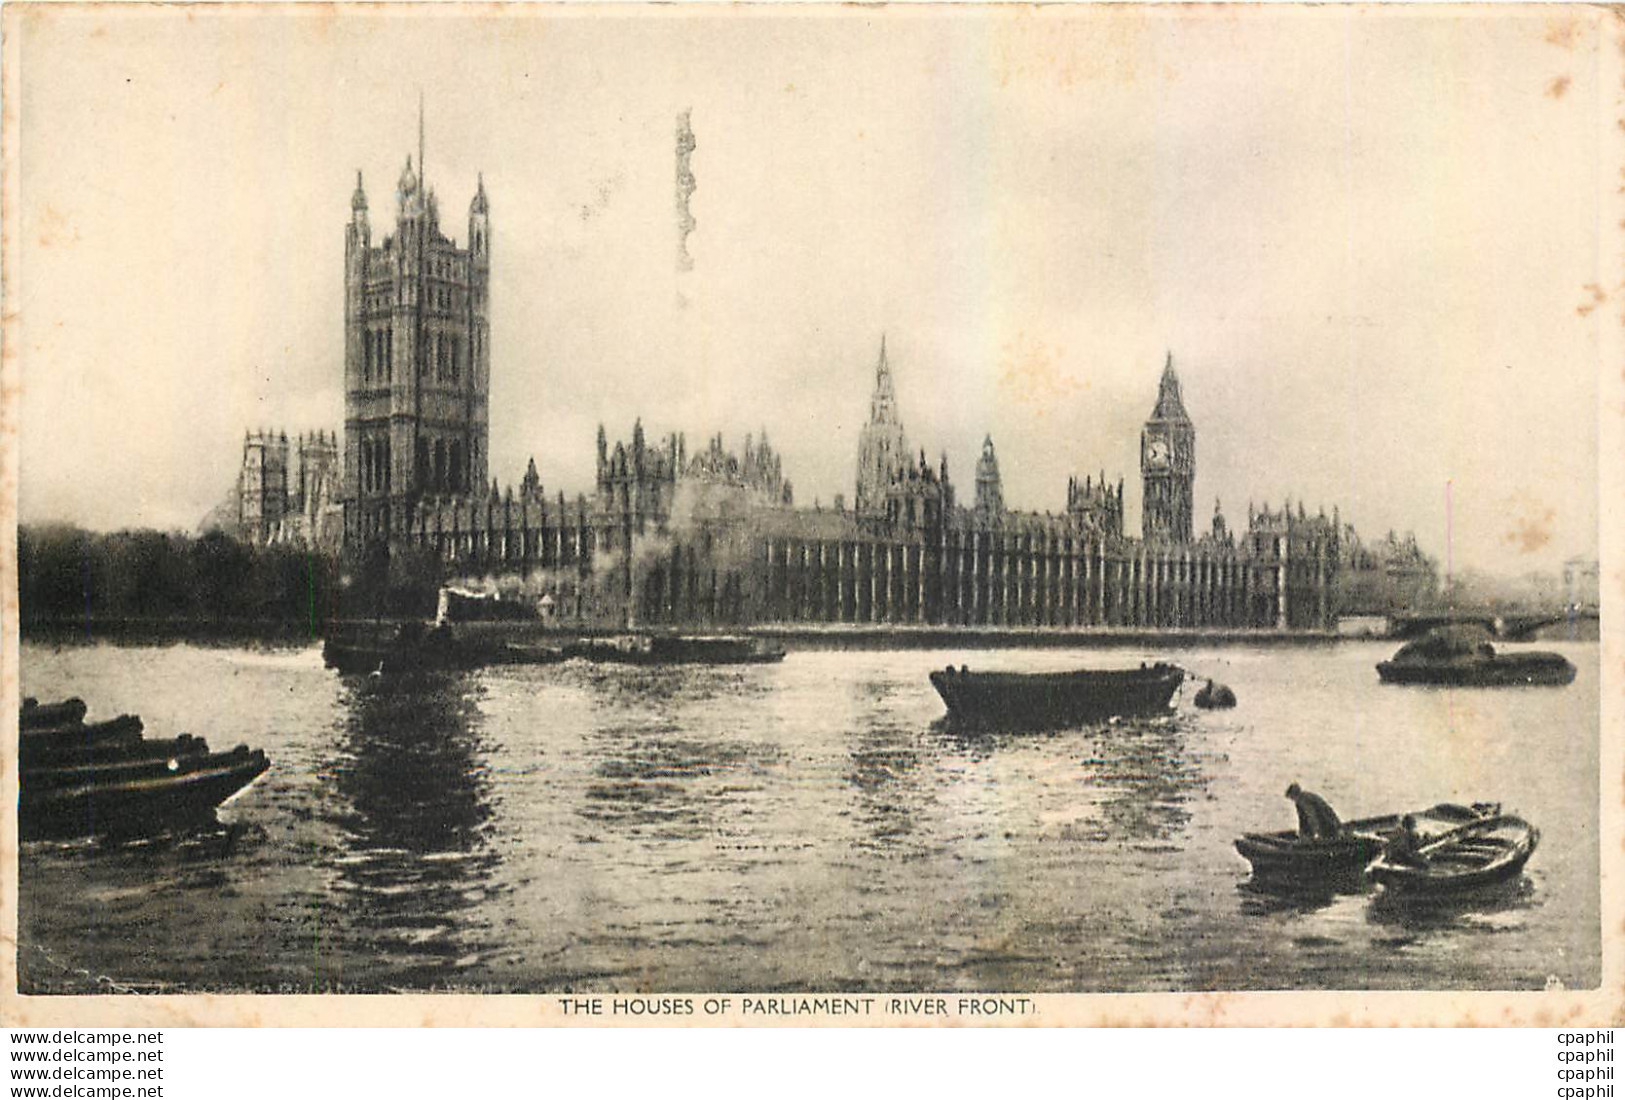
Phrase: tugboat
(1448, 657)
(1054, 700)
(416, 648)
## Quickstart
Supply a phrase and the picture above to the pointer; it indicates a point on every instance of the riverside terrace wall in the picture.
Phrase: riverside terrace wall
(994, 579)
(798, 567)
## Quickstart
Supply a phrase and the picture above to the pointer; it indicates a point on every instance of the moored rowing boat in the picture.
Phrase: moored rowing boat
(1286, 854)
(1477, 853)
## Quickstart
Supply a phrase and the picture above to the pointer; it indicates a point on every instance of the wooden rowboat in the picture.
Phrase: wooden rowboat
(1475, 854)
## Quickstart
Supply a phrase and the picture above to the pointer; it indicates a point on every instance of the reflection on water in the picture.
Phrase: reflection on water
(882, 771)
(1147, 778)
(809, 825)
(412, 808)
(1494, 905)
(663, 786)
(1261, 895)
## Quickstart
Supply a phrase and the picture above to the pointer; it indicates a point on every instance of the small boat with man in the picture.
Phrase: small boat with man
(1324, 848)
(1054, 700)
(1457, 658)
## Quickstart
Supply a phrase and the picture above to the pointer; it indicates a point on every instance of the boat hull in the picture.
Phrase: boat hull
(1035, 701)
(1452, 659)
(1499, 671)
(1479, 856)
(361, 658)
(1284, 854)
(70, 755)
(136, 805)
(54, 775)
(662, 650)
(124, 729)
(35, 715)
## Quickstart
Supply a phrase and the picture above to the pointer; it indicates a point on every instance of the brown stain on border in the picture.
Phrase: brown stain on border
(1031, 373)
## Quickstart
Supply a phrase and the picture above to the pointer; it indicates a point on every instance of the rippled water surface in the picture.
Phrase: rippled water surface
(804, 826)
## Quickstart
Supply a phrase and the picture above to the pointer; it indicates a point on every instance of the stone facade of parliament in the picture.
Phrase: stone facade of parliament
(707, 537)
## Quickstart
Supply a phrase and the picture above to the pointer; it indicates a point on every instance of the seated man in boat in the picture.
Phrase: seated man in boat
(1316, 818)
(1406, 848)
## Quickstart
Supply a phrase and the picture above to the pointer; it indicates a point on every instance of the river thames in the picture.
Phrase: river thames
(807, 826)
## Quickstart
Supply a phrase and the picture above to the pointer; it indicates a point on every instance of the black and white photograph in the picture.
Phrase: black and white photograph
(894, 515)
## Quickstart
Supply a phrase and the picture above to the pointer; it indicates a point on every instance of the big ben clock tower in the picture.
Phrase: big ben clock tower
(1167, 465)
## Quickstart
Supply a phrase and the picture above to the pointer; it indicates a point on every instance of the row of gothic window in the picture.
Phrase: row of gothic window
(379, 353)
(375, 465)
(441, 468)
(447, 355)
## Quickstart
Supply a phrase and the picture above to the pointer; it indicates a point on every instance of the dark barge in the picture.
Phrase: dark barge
(1054, 700)
(1449, 659)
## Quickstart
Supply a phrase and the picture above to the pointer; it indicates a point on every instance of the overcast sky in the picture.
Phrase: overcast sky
(1370, 242)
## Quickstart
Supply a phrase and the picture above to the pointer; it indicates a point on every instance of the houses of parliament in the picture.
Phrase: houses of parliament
(706, 537)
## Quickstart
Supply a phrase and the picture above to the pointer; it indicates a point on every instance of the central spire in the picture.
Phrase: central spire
(1170, 406)
(883, 406)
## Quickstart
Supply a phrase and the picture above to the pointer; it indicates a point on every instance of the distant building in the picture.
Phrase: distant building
(1094, 506)
(670, 537)
(920, 496)
(989, 487)
(416, 359)
(1167, 465)
(882, 447)
(637, 489)
(713, 536)
(287, 491)
(1582, 584)
(262, 485)
(1306, 550)
(1385, 577)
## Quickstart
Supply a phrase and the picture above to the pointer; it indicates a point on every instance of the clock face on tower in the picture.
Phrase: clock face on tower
(1156, 453)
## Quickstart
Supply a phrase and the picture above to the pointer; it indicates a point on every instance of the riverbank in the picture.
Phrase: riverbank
(133, 631)
(868, 636)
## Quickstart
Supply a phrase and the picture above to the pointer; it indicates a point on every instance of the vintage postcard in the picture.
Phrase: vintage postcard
(794, 514)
